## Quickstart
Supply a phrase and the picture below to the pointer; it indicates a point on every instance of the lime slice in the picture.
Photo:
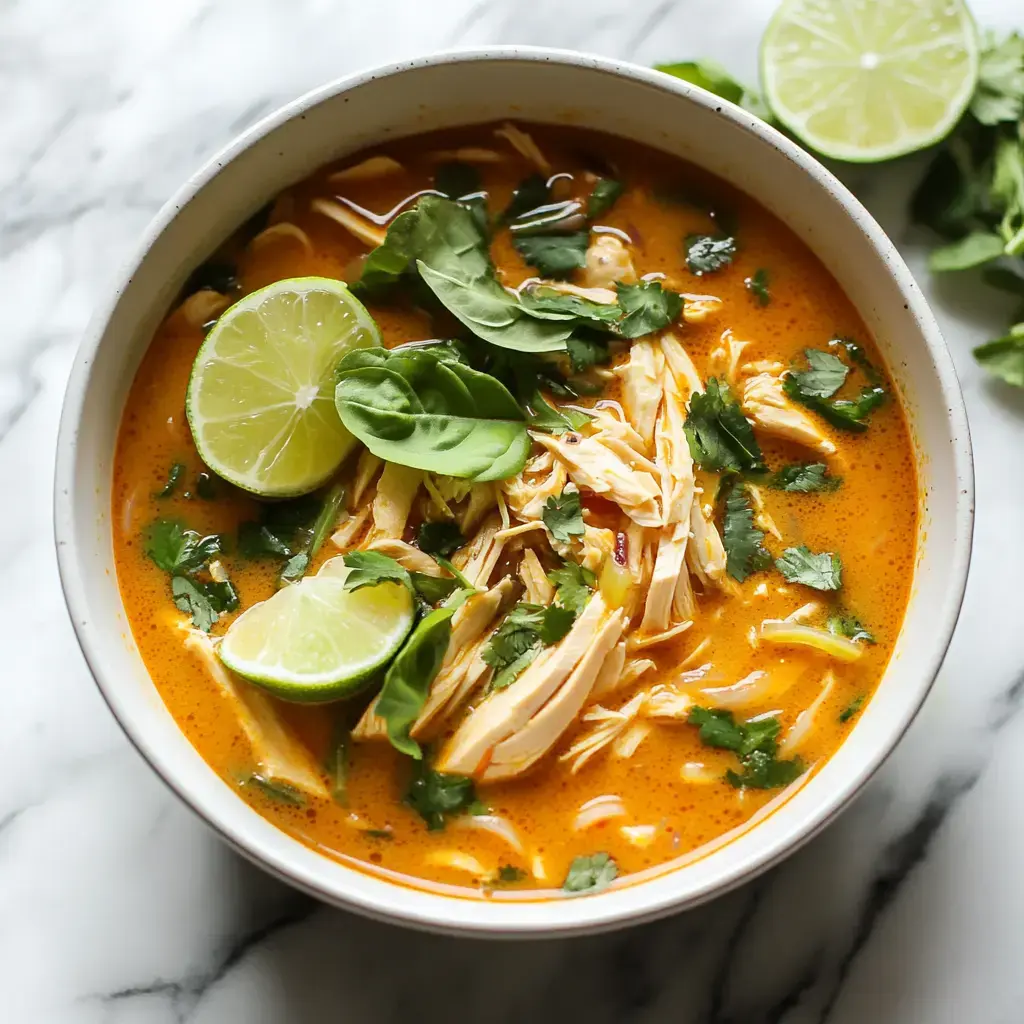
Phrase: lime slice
(315, 641)
(261, 397)
(868, 80)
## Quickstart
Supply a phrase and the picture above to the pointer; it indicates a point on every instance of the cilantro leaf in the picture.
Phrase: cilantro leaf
(456, 179)
(999, 94)
(743, 541)
(435, 795)
(563, 516)
(851, 709)
(554, 255)
(1004, 357)
(805, 478)
(370, 568)
(755, 743)
(177, 550)
(848, 626)
(312, 539)
(647, 307)
(507, 874)
(603, 197)
(573, 585)
(809, 387)
(717, 728)
(586, 351)
(825, 377)
(765, 771)
(720, 436)
(706, 254)
(822, 571)
(757, 285)
(439, 538)
(177, 471)
(204, 602)
(529, 194)
(590, 874)
(519, 638)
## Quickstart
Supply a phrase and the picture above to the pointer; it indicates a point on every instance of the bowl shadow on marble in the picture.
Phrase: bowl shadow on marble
(787, 940)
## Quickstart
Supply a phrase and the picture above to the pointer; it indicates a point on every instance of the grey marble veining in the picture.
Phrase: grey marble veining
(118, 906)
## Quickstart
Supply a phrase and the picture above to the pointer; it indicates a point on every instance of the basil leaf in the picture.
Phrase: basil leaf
(720, 436)
(743, 541)
(563, 516)
(706, 254)
(409, 676)
(647, 307)
(590, 874)
(540, 415)
(392, 260)
(550, 304)
(554, 255)
(822, 571)
(456, 179)
(419, 410)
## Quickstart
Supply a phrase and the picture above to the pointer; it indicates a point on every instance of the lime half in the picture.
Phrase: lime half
(868, 80)
(261, 397)
(315, 641)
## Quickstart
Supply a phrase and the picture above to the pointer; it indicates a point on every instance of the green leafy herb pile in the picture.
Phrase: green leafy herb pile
(972, 194)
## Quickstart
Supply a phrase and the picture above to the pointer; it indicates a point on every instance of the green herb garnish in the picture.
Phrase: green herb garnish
(822, 571)
(590, 874)
(563, 516)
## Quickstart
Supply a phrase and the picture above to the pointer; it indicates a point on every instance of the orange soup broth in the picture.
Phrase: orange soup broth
(871, 521)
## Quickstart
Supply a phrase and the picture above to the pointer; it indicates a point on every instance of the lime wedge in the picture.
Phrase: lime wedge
(315, 641)
(868, 80)
(261, 397)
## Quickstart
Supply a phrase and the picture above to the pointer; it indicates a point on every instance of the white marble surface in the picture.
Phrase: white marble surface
(117, 905)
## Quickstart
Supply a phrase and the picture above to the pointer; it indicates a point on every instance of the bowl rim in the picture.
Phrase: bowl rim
(589, 915)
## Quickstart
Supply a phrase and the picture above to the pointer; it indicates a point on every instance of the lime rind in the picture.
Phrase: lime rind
(314, 641)
(867, 81)
(260, 400)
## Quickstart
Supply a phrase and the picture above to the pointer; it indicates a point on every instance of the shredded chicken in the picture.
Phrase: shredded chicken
(642, 385)
(593, 466)
(604, 296)
(706, 553)
(366, 170)
(278, 755)
(367, 468)
(679, 362)
(516, 726)
(541, 478)
(360, 227)
(697, 308)
(476, 561)
(461, 669)
(406, 555)
(396, 490)
(284, 230)
(724, 361)
(344, 536)
(608, 261)
(766, 404)
(524, 145)
(538, 587)
(199, 308)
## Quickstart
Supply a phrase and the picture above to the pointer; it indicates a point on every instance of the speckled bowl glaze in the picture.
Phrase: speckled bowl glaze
(563, 88)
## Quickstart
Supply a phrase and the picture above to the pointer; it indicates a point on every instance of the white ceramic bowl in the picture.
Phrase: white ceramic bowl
(555, 87)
